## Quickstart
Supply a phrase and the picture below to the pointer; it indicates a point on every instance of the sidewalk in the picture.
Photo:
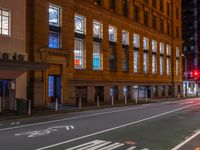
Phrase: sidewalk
(68, 109)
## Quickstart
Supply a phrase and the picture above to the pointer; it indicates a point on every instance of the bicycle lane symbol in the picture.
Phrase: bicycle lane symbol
(38, 133)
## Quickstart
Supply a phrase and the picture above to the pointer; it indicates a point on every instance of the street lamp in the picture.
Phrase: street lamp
(184, 56)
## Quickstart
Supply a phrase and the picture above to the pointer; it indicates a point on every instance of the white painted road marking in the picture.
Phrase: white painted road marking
(117, 127)
(186, 141)
(37, 133)
(72, 118)
(102, 145)
(15, 123)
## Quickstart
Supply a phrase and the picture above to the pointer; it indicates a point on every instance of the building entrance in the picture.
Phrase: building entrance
(7, 95)
(54, 88)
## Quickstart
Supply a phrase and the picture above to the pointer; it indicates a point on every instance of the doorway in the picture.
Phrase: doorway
(54, 88)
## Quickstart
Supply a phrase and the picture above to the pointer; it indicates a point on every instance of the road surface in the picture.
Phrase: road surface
(157, 126)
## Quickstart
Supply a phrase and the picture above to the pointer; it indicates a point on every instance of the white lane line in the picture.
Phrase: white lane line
(72, 118)
(121, 126)
(186, 141)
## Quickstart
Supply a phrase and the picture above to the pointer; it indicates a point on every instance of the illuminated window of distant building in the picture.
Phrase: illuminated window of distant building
(145, 43)
(154, 64)
(54, 26)
(79, 53)
(135, 61)
(97, 29)
(79, 24)
(168, 50)
(145, 62)
(168, 53)
(177, 52)
(4, 22)
(136, 40)
(177, 67)
(154, 60)
(162, 48)
(161, 65)
(112, 34)
(96, 56)
(125, 37)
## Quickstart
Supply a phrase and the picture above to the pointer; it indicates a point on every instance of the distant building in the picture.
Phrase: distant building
(191, 45)
(14, 62)
(104, 48)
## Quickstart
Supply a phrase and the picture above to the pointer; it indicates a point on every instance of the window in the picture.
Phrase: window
(125, 59)
(98, 2)
(145, 43)
(112, 5)
(112, 34)
(154, 64)
(154, 21)
(79, 54)
(161, 25)
(168, 50)
(51, 86)
(168, 28)
(168, 66)
(161, 5)
(79, 24)
(114, 92)
(177, 52)
(112, 59)
(97, 29)
(135, 61)
(136, 40)
(161, 65)
(136, 13)
(96, 56)
(145, 17)
(154, 3)
(154, 46)
(168, 9)
(54, 26)
(177, 67)
(125, 37)
(54, 15)
(162, 48)
(4, 22)
(145, 62)
(125, 7)
(54, 39)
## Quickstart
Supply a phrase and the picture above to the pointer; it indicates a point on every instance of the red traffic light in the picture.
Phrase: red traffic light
(195, 74)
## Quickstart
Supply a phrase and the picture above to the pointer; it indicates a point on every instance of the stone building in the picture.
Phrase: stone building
(14, 62)
(104, 48)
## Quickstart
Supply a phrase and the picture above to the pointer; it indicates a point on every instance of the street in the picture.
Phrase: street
(156, 126)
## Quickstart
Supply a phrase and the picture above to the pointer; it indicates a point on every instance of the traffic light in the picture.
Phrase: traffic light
(195, 74)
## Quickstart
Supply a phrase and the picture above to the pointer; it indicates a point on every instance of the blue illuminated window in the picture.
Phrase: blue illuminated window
(51, 86)
(54, 39)
(54, 15)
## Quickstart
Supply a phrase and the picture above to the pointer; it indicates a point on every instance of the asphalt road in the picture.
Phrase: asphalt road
(158, 126)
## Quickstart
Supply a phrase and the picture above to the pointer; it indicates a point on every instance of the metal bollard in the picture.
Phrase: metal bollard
(80, 102)
(136, 100)
(29, 107)
(56, 105)
(0, 105)
(146, 98)
(125, 97)
(98, 101)
(112, 101)
(178, 96)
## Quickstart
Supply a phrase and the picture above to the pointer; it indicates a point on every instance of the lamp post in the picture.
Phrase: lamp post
(184, 56)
